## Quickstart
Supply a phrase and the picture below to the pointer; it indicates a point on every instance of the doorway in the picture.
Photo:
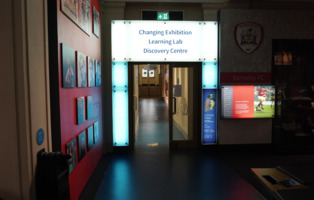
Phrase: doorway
(165, 105)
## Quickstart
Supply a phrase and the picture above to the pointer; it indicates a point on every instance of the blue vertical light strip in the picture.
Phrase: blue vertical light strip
(209, 71)
(209, 102)
(120, 104)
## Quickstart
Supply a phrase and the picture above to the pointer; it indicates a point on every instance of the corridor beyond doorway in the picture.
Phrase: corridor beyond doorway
(153, 128)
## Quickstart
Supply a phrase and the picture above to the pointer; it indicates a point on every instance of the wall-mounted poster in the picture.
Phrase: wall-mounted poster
(68, 67)
(95, 21)
(81, 139)
(90, 137)
(81, 70)
(89, 107)
(84, 15)
(209, 123)
(151, 73)
(71, 150)
(144, 73)
(80, 105)
(98, 73)
(70, 9)
(91, 72)
(96, 132)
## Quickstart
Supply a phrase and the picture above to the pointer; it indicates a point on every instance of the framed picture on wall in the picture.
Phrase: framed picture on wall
(98, 73)
(84, 15)
(68, 67)
(95, 21)
(90, 137)
(70, 9)
(96, 132)
(80, 106)
(71, 150)
(81, 70)
(89, 107)
(81, 139)
(91, 72)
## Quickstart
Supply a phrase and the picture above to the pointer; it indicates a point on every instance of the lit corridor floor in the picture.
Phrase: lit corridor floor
(152, 171)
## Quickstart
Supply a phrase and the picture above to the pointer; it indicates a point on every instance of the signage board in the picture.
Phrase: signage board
(209, 123)
(164, 41)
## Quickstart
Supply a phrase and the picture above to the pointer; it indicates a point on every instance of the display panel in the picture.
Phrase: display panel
(209, 116)
(247, 101)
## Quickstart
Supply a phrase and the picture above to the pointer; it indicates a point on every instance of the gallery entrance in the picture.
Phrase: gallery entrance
(165, 105)
(189, 50)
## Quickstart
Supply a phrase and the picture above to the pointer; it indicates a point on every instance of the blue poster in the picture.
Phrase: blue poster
(209, 117)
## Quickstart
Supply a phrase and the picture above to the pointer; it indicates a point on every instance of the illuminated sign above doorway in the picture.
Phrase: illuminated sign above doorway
(164, 41)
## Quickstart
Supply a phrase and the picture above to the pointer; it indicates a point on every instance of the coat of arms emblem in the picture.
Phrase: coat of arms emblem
(248, 36)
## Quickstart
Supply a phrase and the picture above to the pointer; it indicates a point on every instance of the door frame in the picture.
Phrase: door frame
(197, 99)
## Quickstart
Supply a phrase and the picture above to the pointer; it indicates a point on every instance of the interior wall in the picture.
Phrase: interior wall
(277, 24)
(70, 34)
(9, 157)
(25, 96)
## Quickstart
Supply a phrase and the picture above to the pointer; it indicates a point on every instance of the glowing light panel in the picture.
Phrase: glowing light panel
(120, 104)
(209, 79)
(120, 112)
(119, 74)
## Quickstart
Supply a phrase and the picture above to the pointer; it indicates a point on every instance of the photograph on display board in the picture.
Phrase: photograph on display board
(81, 139)
(91, 72)
(68, 67)
(90, 137)
(81, 70)
(70, 9)
(248, 101)
(95, 21)
(209, 102)
(98, 73)
(264, 101)
(89, 107)
(84, 15)
(71, 150)
(96, 132)
(80, 110)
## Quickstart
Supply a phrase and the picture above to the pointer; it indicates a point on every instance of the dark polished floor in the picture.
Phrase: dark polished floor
(153, 171)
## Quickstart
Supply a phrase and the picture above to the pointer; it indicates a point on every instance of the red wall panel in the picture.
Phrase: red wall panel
(73, 36)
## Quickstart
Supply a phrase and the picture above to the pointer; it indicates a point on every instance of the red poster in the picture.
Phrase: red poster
(243, 101)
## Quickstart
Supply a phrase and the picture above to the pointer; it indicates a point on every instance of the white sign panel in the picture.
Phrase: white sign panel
(161, 41)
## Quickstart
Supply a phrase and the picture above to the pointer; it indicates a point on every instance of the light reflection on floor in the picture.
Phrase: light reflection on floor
(153, 172)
